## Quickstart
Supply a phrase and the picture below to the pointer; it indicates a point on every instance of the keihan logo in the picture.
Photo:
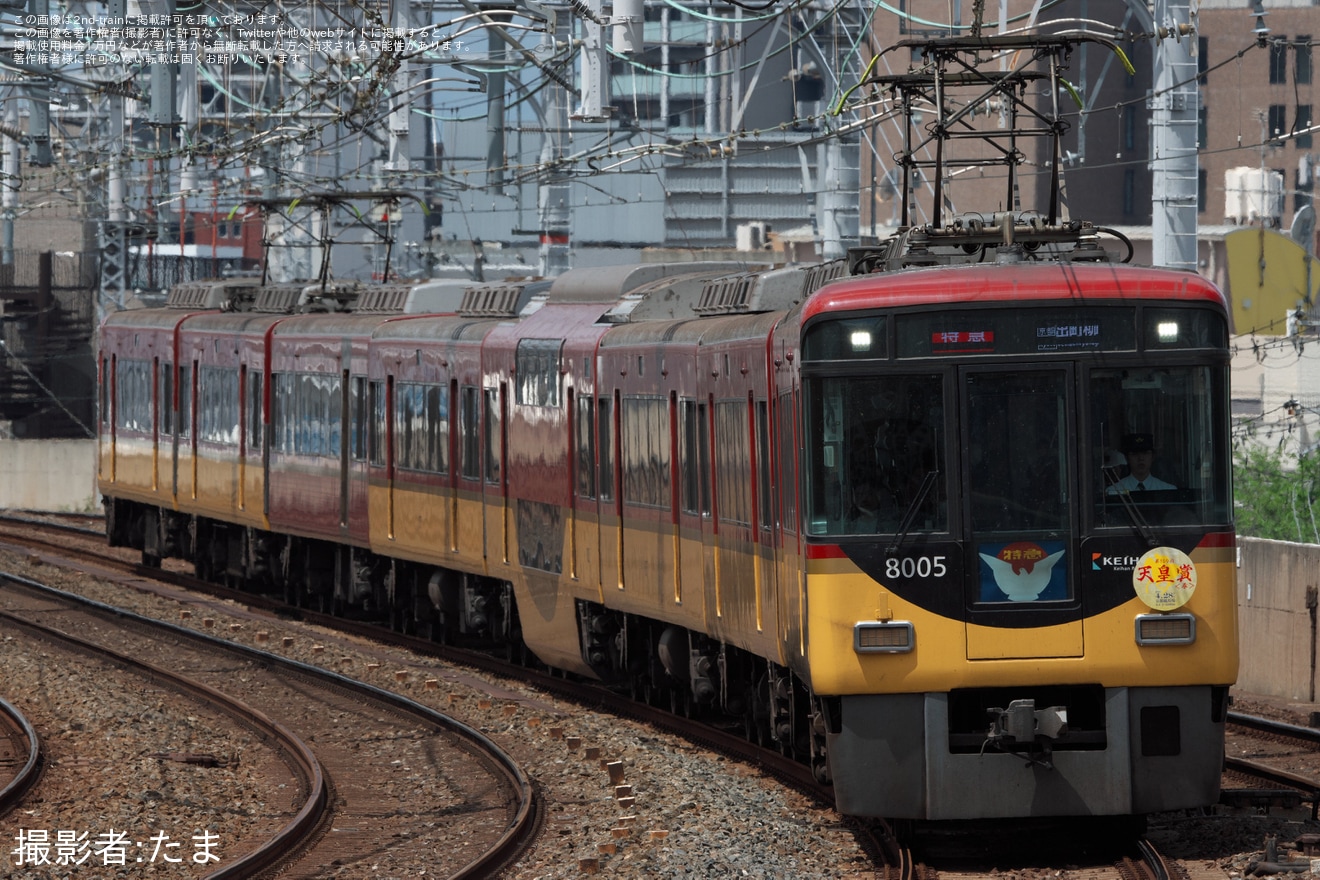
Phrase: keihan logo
(1099, 562)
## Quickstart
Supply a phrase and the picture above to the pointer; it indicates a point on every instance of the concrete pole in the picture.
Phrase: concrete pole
(553, 190)
(1174, 108)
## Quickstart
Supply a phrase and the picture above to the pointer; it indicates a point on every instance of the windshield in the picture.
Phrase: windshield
(1155, 454)
(872, 443)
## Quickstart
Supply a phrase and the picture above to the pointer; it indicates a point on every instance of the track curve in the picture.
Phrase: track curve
(307, 831)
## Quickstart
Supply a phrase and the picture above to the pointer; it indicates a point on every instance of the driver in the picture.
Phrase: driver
(1140, 452)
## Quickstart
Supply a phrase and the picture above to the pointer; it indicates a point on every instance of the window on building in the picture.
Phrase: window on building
(1202, 185)
(1300, 123)
(1202, 127)
(1302, 68)
(1129, 127)
(1202, 58)
(1129, 192)
(1278, 61)
(1278, 120)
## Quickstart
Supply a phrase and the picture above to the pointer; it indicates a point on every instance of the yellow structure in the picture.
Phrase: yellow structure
(1269, 275)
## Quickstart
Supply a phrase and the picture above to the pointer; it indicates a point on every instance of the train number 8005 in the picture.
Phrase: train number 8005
(916, 567)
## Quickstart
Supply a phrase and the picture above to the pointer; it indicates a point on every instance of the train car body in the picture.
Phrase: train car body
(883, 521)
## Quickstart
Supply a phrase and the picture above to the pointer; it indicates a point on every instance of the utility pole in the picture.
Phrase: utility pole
(1175, 107)
(112, 235)
(553, 190)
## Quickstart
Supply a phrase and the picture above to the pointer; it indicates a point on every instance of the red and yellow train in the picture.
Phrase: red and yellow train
(884, 520)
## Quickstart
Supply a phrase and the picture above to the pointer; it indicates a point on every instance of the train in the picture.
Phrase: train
(875, 510)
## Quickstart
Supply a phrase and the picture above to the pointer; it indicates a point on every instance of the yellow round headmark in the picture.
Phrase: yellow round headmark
(1164, 578)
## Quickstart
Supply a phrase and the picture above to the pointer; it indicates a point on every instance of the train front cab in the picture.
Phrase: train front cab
(1012, 631)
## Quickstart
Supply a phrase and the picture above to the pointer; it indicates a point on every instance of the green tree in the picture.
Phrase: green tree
(1276, 494)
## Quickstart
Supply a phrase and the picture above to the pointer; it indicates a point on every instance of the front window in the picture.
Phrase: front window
(1017, 482)
(877, 456)
(1157, 459)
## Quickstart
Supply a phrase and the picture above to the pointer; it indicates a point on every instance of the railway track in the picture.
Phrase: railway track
(1274, 753)
(20, 756)
(1092, 849)
(357, 796)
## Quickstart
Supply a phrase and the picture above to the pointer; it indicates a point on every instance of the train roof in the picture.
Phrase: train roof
(332, 325)
(609, 284)
(146, 319)
(230, 322)
(1017, 282)
(434, 328)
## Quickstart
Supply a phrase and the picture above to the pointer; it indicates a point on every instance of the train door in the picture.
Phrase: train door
(1022, 566)
(735, 589)
(766, 506)
(193, 370)
(167, 424)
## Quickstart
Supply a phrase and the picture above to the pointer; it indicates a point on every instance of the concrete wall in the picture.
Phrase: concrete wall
(1277, 627)
(55, 475)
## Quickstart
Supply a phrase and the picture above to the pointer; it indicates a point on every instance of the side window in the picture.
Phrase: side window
(694, 452)
(165, 398)
(764, 480)
(255, 434)
(470, 432)
(186, 392)
(494, 435)
(421, 427)
(376, 433)
(586, 447)
(605, 447)
(133, 387)
(107, 376)
(218, 390)
(357, 408)
(538, 371)
(646, 453)
(732, 462)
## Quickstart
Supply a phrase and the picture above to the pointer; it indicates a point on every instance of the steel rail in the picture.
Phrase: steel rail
(302, 761)
(519, 831)
(26, 777)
